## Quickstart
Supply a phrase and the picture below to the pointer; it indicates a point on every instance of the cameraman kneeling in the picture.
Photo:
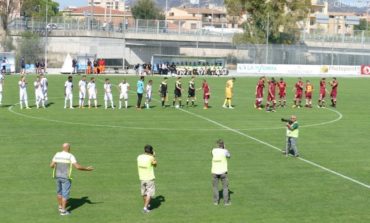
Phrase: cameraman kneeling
(292, 133)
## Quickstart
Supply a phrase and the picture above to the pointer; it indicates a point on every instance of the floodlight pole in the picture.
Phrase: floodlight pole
(267, 37)
(46, 37)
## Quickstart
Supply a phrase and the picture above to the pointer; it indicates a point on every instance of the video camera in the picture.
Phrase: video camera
(287, 120)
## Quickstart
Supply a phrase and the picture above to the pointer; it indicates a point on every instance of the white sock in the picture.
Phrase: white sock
(96, 103)
(120, 104)
(1, 97)
(71, 103)
(43, 103)
(26, 103)
(111, 102)
(65, 102)
(21, 104)
(106, 104)
(126, 104)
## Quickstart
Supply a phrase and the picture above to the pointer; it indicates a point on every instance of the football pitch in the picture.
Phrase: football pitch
(330, 182)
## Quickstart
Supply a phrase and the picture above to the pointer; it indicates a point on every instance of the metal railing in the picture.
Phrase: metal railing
(134, 26)
(357, 36)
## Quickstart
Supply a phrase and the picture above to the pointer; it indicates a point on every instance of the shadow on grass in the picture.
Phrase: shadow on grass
(221, 194)
(74, 203)
(157, 202)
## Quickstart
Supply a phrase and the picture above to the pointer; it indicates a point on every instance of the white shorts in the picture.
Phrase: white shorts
(148, 97)
(1, 88)
(108, 96)
(39, 95)
(23, 96)
(45, 92)
(82, 95)
(69, 95)
(123, 96)
(92, 95)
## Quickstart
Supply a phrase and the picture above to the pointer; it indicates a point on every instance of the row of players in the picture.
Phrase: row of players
(299, 88)
(89, 90)
(41, 86)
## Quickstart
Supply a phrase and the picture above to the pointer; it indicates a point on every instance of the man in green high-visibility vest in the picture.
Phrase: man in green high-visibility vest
(292, 133)
(219, 172)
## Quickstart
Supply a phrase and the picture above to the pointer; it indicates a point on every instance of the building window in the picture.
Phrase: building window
(193, 14)
(172, 14)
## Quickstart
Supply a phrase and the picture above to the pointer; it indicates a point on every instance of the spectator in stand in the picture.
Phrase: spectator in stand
(23, 66)
(96, 68)
(37, 66)
(74, 66)
(88, 70)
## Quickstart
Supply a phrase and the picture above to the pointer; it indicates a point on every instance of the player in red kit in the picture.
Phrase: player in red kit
(271, 97)
(333, 93)
(298, 93)
(206, 93)
(259, 93)
(282, 92)
(321, 103)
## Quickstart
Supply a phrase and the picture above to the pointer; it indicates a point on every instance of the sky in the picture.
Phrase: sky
(65, 3)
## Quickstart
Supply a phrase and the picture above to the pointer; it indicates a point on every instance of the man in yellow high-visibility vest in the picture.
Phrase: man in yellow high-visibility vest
(219, 172)
(62, 164)
(292, 133)
(146, 163)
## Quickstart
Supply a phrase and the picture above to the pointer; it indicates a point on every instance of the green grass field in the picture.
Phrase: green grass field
(266, 186)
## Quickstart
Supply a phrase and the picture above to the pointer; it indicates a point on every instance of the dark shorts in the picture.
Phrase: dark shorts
(271, 98)
(298, 95)
(177, 94)
(163, 94)
(308, 95)
(191, 93)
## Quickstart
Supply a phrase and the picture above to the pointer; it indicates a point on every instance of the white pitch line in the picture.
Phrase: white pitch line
(276, 148)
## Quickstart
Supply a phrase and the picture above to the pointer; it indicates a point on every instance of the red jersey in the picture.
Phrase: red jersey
(299, 86)
(334, 87)
(206, 90)
(322, 87)
(259, 88)
(101, 62)
(282, 86)
(272, 90)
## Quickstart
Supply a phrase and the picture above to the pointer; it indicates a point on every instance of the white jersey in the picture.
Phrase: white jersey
(38, 87)
(68, 87)
(123, 87)
(22, 85)
(82, 86)
(91, 87)
(44, 84)
(148, 91)
(108, 88)
(1, 82)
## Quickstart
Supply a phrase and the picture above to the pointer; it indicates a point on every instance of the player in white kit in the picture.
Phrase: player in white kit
(82, 91)
(23, 98)
(44, 84)
(108, 94)
(39, 93)
(148, 94)
(123, 87)
(91, 89)
(68, 93)
(1, 88)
